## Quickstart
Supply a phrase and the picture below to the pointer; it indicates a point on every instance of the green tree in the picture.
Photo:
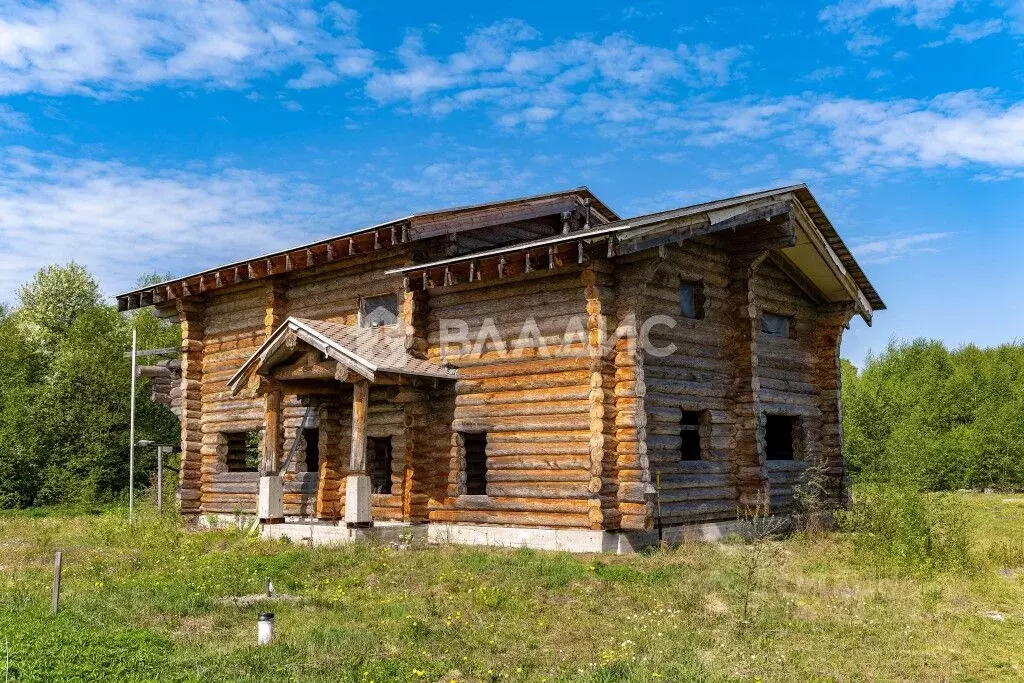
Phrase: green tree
(927, 417)
(54, 299)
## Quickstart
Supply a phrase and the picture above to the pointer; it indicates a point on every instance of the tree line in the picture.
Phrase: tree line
(938, 420)
(64, 393)
(918, 413)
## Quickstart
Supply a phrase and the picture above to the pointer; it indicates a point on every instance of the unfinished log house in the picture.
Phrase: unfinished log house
(536, 371)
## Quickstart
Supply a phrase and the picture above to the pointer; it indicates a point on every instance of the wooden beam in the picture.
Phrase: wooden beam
(798, 277)
(273, 436)
(360, 404)
(304, 369)
(484, 217)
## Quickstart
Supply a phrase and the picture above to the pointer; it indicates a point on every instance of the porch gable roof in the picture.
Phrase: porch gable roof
(363, 350)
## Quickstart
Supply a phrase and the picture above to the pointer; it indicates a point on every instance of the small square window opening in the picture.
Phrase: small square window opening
(312, 439)
(379, 311)
(691, 300)
(775, 324)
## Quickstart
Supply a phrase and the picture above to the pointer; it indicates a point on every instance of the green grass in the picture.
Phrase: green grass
(148, 602)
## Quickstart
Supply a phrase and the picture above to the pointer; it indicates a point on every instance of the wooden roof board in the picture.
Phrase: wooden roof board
(650, 224)
(305, 255)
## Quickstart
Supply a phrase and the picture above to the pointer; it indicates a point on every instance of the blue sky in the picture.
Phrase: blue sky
(169, 137)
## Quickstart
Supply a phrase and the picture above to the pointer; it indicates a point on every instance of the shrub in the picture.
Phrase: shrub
(899, 529)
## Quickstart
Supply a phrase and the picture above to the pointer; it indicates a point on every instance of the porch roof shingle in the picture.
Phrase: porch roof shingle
(365, 350)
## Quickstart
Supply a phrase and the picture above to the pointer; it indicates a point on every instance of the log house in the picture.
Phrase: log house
(537, 371)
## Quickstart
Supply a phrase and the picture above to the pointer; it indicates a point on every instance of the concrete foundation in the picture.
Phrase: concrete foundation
(314, 532)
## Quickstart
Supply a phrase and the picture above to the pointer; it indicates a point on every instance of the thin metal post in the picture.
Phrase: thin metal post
(58, 561)
(657, 490)
(131, 431)
(160, 480)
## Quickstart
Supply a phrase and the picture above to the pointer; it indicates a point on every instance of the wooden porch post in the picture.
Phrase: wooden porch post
(357, 484)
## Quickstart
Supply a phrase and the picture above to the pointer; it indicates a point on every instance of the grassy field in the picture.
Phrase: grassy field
(150, 601)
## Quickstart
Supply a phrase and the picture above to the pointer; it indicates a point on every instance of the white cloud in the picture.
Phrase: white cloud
(825, 73)
(12, 120)
(852, 16)
(123, 221)
(460, 182)
(98, 48)
(973, 129)
(527, 85)
(954, 129)
(921, 13)
(970, 32)
(895, 247)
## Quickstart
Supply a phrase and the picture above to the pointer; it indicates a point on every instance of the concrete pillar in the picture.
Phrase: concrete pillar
(270, 504)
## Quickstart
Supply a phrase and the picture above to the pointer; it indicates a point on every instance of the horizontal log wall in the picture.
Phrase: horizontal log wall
(787, 376)
(332, 292)
(191, 317)
(531, 394)
(222, 331)
(235, 327)
(696, 377)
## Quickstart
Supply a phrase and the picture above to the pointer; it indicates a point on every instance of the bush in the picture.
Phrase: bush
(898, 529)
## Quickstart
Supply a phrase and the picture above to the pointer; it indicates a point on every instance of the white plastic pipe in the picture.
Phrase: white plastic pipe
(265, 628)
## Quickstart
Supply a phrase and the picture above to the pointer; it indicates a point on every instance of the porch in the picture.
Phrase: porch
(367, 399)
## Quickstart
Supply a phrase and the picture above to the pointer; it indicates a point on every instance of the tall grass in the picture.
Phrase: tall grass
(900, 530)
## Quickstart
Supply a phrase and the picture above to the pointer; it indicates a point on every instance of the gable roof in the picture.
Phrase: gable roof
(382, 235)
(707, 216)
(364, 350)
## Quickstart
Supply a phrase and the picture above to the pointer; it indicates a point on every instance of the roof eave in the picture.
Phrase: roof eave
(178, 287)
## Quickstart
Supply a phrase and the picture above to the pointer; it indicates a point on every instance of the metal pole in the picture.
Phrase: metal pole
(657, 489)
(131, 432)
(160, 480)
